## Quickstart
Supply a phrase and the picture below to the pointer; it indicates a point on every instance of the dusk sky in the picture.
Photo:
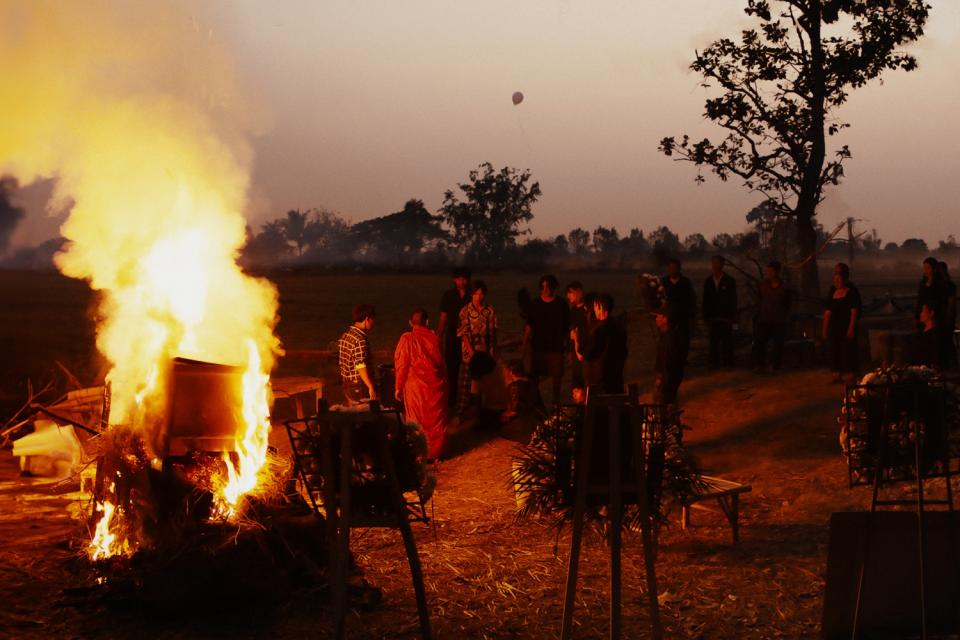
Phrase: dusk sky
(363, 105)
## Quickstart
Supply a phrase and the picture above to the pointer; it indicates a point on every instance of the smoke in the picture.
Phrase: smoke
(10, 215)
(131, 107)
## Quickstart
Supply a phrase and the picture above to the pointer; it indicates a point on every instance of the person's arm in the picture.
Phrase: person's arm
(442, 323)
(854, 314)
(527, 330)
(493, 333)
(826, 324)
(362, 371)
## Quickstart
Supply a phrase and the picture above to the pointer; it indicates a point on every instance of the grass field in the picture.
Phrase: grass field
(46, 318)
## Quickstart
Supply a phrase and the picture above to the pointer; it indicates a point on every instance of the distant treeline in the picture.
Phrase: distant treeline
(415, 239)
(485, 223)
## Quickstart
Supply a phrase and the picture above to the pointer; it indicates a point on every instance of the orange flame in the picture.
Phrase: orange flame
(133, 111)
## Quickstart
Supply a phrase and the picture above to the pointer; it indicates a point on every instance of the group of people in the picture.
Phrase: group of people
(448, 371)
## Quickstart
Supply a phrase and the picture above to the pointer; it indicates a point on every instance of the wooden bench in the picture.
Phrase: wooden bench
(727, 494)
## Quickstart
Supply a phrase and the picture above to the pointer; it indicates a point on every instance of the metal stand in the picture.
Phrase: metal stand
(612, 494)
(331, 491)
(923, 467)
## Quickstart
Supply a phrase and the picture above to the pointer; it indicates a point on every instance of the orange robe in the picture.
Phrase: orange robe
(422, 379)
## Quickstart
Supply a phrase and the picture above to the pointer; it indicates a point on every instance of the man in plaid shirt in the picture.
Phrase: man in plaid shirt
(355, 361)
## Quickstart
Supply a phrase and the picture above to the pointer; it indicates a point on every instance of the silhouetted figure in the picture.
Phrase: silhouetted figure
(451, 303)
(672, 347)
(841, 317)
(546, 334)
(771, 320)
(950, 317)
(605, 354)
(928, 342)
(720, 312)
(681, 311)
(580, 317)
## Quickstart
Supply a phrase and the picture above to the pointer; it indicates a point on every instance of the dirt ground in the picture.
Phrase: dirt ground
(486, 575)
(489, 577)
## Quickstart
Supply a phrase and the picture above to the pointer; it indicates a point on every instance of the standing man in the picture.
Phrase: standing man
(949, 317)
(771, 321)
(579, 330)
(606, 354)
(720, 312)
(671, 357)
(354, 357)
(451, 303)
(546, 333)
(421, 381)
(680, 312)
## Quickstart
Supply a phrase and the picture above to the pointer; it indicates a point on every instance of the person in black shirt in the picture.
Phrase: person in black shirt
(579, 326)
(546, 333)
(672, 348)
(773, 307)
(841, 314)
(720, 312)
(928, 342)
(606, 354)
(681, 311)
(949, 317)
(451, 303)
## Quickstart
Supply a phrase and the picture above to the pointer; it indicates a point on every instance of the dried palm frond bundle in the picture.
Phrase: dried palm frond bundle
(888, 412)
(544, 470)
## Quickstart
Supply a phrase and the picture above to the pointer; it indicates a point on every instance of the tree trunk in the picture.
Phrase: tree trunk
(810, 187)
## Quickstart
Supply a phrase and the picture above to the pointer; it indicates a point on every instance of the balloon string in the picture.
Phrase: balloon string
(523, 134)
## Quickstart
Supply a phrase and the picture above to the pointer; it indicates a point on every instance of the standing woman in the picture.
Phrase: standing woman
(478, 335)
(843, 308)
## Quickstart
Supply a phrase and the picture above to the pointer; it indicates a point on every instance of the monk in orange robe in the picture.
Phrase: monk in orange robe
(421, 381)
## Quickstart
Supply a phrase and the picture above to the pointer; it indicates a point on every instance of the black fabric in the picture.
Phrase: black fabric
(929, 349)
(844, 355)
(765, 332)
(549, 324)
(681, 302)
(720, 302)
(606, 357)
(451, 303)
(721, 343)
(673, 346)
(774, 303)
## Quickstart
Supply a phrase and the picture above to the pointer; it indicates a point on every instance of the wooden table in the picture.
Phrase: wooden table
(727, 494)
(295, 387)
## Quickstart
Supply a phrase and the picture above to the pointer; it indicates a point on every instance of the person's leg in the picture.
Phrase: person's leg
(452, 359)
(726, 344)
(779, 337)
(555, 362)
(761, 335)
(716, 344)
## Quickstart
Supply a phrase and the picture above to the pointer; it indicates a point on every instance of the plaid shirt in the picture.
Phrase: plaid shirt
(354, 354)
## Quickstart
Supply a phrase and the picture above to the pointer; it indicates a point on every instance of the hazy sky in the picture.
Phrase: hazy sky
(363, 105)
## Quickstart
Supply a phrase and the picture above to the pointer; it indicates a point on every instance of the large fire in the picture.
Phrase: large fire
(130, 109)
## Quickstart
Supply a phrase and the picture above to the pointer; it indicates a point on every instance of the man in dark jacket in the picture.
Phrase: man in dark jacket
(546, 334)
(451, 303)
(720, 312)
(680, 310)
(606, 353)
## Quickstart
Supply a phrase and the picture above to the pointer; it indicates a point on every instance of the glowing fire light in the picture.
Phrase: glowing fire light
(252, 446)
(138, 122)
(106, 542)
